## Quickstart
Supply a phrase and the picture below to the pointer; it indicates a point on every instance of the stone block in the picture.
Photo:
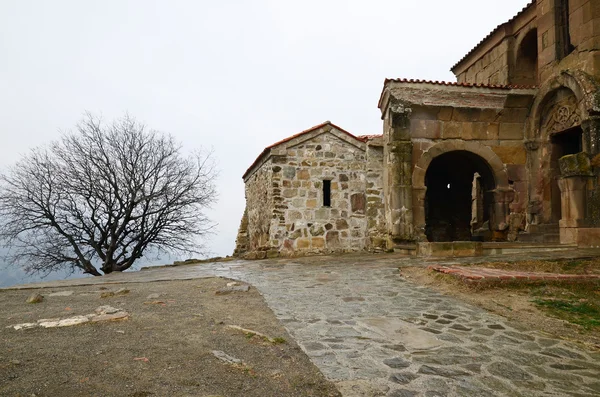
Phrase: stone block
(341, 224)
(511, 155)
(318, 242)
(568, 235)
(588, 238)
(466, 114)
(445, 114)
(466, 248)
(302, 243)
(423, 113)
(322, 214)
(478, 131)
(511, 131)
(289, 172)
(332, 239)
(489, 115)
(514, 115)
(425, 129)
(289, 193)
(358, 202)
(518, 101)
(451, 130)
(303, 174)
(311, 203)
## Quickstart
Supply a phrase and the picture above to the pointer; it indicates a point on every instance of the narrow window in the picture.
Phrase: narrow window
(326, 193)
(563, 36)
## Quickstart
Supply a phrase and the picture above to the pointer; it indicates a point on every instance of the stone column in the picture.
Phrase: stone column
(591, 135)
(399, 163)
(591, 145)
(419, 194)
(576, 174)
(533, 192)
(500, 211)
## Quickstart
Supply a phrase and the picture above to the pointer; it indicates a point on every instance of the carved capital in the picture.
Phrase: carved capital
(400, 114)
(532, 145)
(400, 108)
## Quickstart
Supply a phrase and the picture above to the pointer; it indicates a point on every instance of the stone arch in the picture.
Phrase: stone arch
(487, 154)
(583, 86)
(500, 197)
(544, 194)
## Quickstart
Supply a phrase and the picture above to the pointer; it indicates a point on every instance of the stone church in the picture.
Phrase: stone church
(508, 153)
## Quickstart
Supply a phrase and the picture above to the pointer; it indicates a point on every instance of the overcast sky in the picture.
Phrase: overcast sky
(234, 76)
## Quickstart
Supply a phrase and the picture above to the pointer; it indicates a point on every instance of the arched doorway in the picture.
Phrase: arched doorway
(561, 123)
(459, 197)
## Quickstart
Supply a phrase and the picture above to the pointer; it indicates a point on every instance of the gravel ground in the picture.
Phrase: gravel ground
(163, 349)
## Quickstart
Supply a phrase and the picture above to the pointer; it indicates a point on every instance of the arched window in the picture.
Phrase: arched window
(563, 37)
(526, 65)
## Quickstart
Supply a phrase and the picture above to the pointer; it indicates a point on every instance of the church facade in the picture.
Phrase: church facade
(509, 152)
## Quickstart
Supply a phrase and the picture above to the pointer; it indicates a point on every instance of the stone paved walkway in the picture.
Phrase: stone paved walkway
(375, 334)
(481, 274)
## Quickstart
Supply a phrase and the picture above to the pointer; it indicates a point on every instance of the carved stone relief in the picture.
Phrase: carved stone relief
(562, 116)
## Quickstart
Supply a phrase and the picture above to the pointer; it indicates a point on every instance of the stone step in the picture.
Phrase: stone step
(520, 247)
(407, 249)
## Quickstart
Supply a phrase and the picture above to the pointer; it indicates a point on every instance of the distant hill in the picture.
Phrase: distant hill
(11, 275)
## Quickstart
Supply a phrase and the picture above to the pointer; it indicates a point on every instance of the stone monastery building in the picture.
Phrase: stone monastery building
(509, 152)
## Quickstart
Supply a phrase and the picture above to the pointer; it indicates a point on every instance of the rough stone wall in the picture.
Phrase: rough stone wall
(242, 242)
(493, 61)
(259, 208)
(584, 31)
(375, 200)
(304, 224)
(492, 68)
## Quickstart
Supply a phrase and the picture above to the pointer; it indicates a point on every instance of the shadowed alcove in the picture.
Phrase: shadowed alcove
(457, 202)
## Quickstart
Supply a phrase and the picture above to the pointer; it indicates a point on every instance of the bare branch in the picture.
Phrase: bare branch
(101, 196)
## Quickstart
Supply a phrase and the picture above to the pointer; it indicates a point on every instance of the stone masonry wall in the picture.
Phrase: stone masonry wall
(259, 208)
(376, 225)
(492, 68)
(500, 129)
(584, 32)
(304, 225)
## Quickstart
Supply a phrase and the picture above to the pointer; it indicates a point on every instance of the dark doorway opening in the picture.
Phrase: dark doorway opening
(458, 201)
(563, 143)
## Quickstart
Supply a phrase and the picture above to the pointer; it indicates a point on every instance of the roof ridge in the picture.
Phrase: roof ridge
(289, 138)
(492, 33)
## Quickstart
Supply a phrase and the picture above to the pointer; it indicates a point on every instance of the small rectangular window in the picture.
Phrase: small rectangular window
(326, 193)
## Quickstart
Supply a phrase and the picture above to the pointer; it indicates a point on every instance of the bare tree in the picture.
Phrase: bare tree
(101, 196)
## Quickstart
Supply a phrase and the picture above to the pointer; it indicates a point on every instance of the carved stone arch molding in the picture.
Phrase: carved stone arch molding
(585, 104)
(487, 154)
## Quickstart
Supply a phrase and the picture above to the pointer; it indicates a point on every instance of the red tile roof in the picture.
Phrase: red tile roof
(455, 84)
(316, 127)
(492, 33)
(367, 137)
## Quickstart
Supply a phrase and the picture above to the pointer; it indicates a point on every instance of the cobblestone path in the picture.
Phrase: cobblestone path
(375, 334)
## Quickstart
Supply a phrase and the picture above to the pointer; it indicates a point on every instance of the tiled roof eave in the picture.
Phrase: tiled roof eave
(465, 85)
(499, 27)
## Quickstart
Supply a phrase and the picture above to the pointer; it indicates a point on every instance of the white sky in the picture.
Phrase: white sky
(234, 76)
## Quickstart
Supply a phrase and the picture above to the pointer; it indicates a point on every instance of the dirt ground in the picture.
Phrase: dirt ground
(515, 302)
(163, 349)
